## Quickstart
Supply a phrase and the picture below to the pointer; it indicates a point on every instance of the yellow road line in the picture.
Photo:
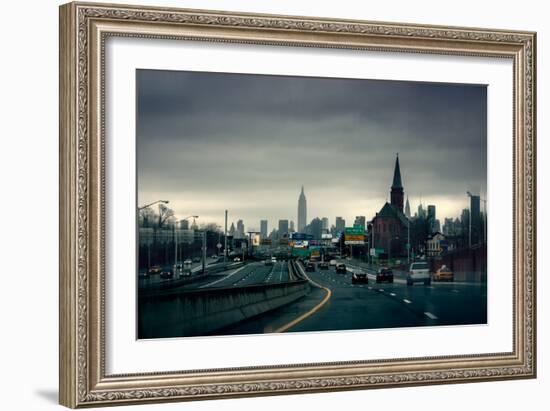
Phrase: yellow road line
(310, 312)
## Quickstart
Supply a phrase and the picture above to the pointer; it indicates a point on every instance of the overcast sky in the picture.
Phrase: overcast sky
(247, 143)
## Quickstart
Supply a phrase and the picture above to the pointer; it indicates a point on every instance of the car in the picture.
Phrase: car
(310, 266)
(359, 277)
(419, 272)
(214, 257)
(166, 274)
(236, 259)
(155, 269)
(273, 259)
(341, 268)
(196, 260)
(333, 263)
(384, 274)
(323, 265)
(268, 262)
(444, 274)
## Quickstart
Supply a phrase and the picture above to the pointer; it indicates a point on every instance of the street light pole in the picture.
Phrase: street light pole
(153, 203)
(175, 247)
(225, 240)
(408, 241)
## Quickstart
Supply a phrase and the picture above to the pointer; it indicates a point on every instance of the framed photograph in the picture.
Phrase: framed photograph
(259, 204)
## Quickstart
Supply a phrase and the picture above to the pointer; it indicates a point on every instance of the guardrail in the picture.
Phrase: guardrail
(177, 313)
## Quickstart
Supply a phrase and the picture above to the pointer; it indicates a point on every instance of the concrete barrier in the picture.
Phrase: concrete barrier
(203, 311)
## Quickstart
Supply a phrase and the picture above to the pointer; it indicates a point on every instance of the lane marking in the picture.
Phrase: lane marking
(455, 291)
(224, 278)
(392, 294)
(407, 301)
(430, 315)
(381, 290)
(310, 312)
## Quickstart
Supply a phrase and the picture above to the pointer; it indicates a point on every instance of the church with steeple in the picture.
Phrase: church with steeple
(390, 224)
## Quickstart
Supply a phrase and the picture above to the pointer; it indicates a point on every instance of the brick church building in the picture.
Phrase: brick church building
(390, 225)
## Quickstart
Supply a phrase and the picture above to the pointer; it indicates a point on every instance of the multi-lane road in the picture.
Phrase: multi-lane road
(334, 303)
(337, 304)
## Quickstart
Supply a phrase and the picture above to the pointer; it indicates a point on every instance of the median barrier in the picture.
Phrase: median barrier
(202, 311)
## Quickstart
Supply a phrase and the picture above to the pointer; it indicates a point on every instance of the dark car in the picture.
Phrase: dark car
(341, 269)
(155, 269)
(167, 274)
(196, 260)
(310, 267)
(359, 277)
(384, 274)
(323, 265)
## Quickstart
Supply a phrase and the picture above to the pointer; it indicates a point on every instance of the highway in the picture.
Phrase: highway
(334, 303)
(369, 306)
(250, 274)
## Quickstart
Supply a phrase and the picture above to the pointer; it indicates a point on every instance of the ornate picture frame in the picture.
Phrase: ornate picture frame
(84, 29)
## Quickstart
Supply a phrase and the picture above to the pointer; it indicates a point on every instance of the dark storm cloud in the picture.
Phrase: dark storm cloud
(248, 142)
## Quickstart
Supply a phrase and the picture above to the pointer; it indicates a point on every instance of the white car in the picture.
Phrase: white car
(333, 263)
(419, 272)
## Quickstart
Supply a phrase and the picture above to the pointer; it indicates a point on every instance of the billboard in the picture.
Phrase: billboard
(354, 235)
(255, 239)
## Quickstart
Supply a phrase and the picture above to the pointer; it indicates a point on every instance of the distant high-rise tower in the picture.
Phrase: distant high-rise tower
(397, 187)
(340, 224)
(263, 228)
(407, 208)
(283, 228)
(240, 229)
(291, 226)
(302, 211)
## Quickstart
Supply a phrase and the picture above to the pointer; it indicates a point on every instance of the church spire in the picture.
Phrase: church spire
(396, 193)
(397, 174)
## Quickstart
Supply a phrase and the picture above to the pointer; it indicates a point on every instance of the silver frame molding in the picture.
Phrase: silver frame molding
(84, 27)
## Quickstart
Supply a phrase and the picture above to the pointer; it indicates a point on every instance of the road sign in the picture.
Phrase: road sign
(354, 235)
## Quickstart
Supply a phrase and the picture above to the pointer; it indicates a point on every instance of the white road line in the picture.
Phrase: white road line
(370, 288)
(224, 278)
(430, 315)
(392, 294)
(381, 290)
(407, 301)
(455, 291)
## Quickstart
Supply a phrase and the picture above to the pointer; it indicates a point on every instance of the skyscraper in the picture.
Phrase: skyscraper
(283, 228)
(340, 224)
(360, 220)
(316, 228)
(325, 223)
(475, 219)
(291, 227)
(240, 229)
(263, 228)
(397, 187)
(302, 211)
(431, 218)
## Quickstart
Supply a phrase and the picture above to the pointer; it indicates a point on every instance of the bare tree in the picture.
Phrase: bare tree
(164, 214)
(147, 216)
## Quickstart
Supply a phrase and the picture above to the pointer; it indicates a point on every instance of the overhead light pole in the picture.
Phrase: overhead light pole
(153, 203)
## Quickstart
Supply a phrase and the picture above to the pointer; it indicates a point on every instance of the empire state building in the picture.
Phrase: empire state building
(302, 212)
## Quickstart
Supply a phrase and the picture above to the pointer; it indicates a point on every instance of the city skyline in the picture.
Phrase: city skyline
(334, 136)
